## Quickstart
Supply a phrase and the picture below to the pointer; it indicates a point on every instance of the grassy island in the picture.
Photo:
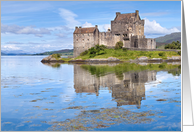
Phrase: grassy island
(101, 51)
(123, 54)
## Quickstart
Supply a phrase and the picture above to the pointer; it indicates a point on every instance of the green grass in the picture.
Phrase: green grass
(130, 54)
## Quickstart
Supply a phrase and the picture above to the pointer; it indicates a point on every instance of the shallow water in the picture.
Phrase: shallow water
(114, 97)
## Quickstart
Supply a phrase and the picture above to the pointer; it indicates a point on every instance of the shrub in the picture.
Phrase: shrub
(101, 52)
(96, 50)
(84, 53)
(56, 55)
(119, 45)
(161, 54)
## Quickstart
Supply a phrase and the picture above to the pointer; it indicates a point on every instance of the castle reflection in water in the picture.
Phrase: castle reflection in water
(128, 90)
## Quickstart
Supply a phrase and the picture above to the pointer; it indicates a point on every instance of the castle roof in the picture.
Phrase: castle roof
(84, 30)
(124, 16)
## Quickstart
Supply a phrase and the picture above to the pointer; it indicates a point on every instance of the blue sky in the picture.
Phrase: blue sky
(40, 26)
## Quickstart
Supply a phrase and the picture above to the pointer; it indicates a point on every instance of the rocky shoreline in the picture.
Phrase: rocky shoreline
(113, 59)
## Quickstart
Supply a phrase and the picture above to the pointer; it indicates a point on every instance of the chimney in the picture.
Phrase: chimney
(96, 26)
(137, 14)
(80, 27)
(117, 13)
(76, 27)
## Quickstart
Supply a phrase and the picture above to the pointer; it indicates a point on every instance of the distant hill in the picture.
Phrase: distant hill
(63, 52)
(169, 38)
(161, 41)
(3, 53)
(13, 54)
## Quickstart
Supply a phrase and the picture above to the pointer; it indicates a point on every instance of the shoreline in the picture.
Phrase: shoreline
(142, 59)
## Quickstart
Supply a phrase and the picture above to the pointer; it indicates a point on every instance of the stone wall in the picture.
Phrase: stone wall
(83, 42)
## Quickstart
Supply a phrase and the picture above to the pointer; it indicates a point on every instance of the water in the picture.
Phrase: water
(114, 97)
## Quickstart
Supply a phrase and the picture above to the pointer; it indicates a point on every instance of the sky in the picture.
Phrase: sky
(39, 26)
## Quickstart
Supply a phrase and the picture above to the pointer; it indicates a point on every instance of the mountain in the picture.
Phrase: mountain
(63, 52)
(169, 38)
(20, 52)
(161, 41)
(14, 52)
(3, 53)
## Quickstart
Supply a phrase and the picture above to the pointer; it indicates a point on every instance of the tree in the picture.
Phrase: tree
(173, 45)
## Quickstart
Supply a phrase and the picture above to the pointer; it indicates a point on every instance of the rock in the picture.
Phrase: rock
(174, 58)
(143, 58)
(53, 59)
(155, 60)
(133, 61)
(50, 59)
(112, 59)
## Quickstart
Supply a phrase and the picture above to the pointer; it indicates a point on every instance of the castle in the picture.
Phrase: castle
(128, 28)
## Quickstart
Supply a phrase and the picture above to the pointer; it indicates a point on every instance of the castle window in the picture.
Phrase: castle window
(77, 39)
(127, 29)
(88, 34)
(117, 34)
(88, 39)
(124, 35)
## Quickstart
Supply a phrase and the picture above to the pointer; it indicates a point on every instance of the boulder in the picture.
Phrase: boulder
(50, 59)
(112, 59)
(143, 59)
(155, 60)
(174, 58)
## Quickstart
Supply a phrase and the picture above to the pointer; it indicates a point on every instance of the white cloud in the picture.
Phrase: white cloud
(69, 18)
(154, 28)
(106, 26)
(15, 29)
(86, 24)
(102, 28)
(9, 47)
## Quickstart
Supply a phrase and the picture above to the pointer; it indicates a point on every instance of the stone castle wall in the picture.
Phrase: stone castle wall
(84, 41)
